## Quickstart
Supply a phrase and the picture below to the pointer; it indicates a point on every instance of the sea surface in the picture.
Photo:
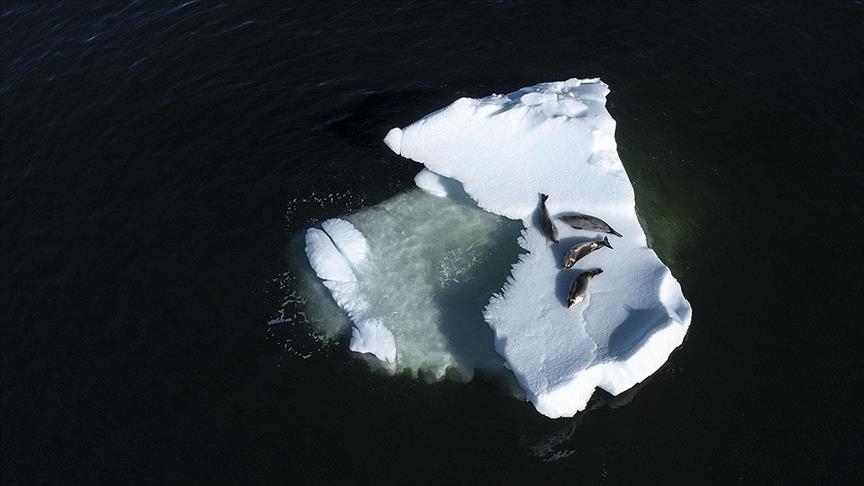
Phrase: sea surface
(158, 158)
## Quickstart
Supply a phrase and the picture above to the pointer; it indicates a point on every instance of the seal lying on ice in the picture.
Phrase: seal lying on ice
(587, 222)
(546, 222)
(579, 250)
(580, 286)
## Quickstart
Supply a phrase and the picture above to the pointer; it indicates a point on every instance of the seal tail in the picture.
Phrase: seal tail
(606, 242)
(543, 197)
(619, 235)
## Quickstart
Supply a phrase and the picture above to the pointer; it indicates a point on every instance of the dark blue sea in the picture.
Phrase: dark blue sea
(158, 158)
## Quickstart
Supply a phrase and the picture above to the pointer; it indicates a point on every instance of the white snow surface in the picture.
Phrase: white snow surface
(350, 242)
(326, 260)
(558, 139)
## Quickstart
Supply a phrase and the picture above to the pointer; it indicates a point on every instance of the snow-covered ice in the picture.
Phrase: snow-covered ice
(336, 254)
(501, 152)
(328, 262)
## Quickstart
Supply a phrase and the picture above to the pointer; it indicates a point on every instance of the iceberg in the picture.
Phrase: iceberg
(485, 163)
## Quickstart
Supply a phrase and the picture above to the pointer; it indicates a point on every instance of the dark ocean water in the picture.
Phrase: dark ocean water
(157, 158)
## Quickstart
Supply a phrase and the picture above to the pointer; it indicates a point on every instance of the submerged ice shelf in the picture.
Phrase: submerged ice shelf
(501, 152)
(421, 272)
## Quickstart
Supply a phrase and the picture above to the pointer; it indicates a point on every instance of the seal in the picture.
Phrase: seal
(580, 286)
(546, 221)
(587, 222)
(579, 250)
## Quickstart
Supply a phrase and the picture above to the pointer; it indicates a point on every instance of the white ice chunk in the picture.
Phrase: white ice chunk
(371, 336)
(438, 185)
(350, 242)
(333, 263)
(394, 139)
(558, 139)
(572, 108)
(536, 98)
(368, 335)
(326, 260)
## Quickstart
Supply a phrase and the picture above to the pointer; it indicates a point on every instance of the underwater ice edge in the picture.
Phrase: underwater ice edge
(502, 151)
